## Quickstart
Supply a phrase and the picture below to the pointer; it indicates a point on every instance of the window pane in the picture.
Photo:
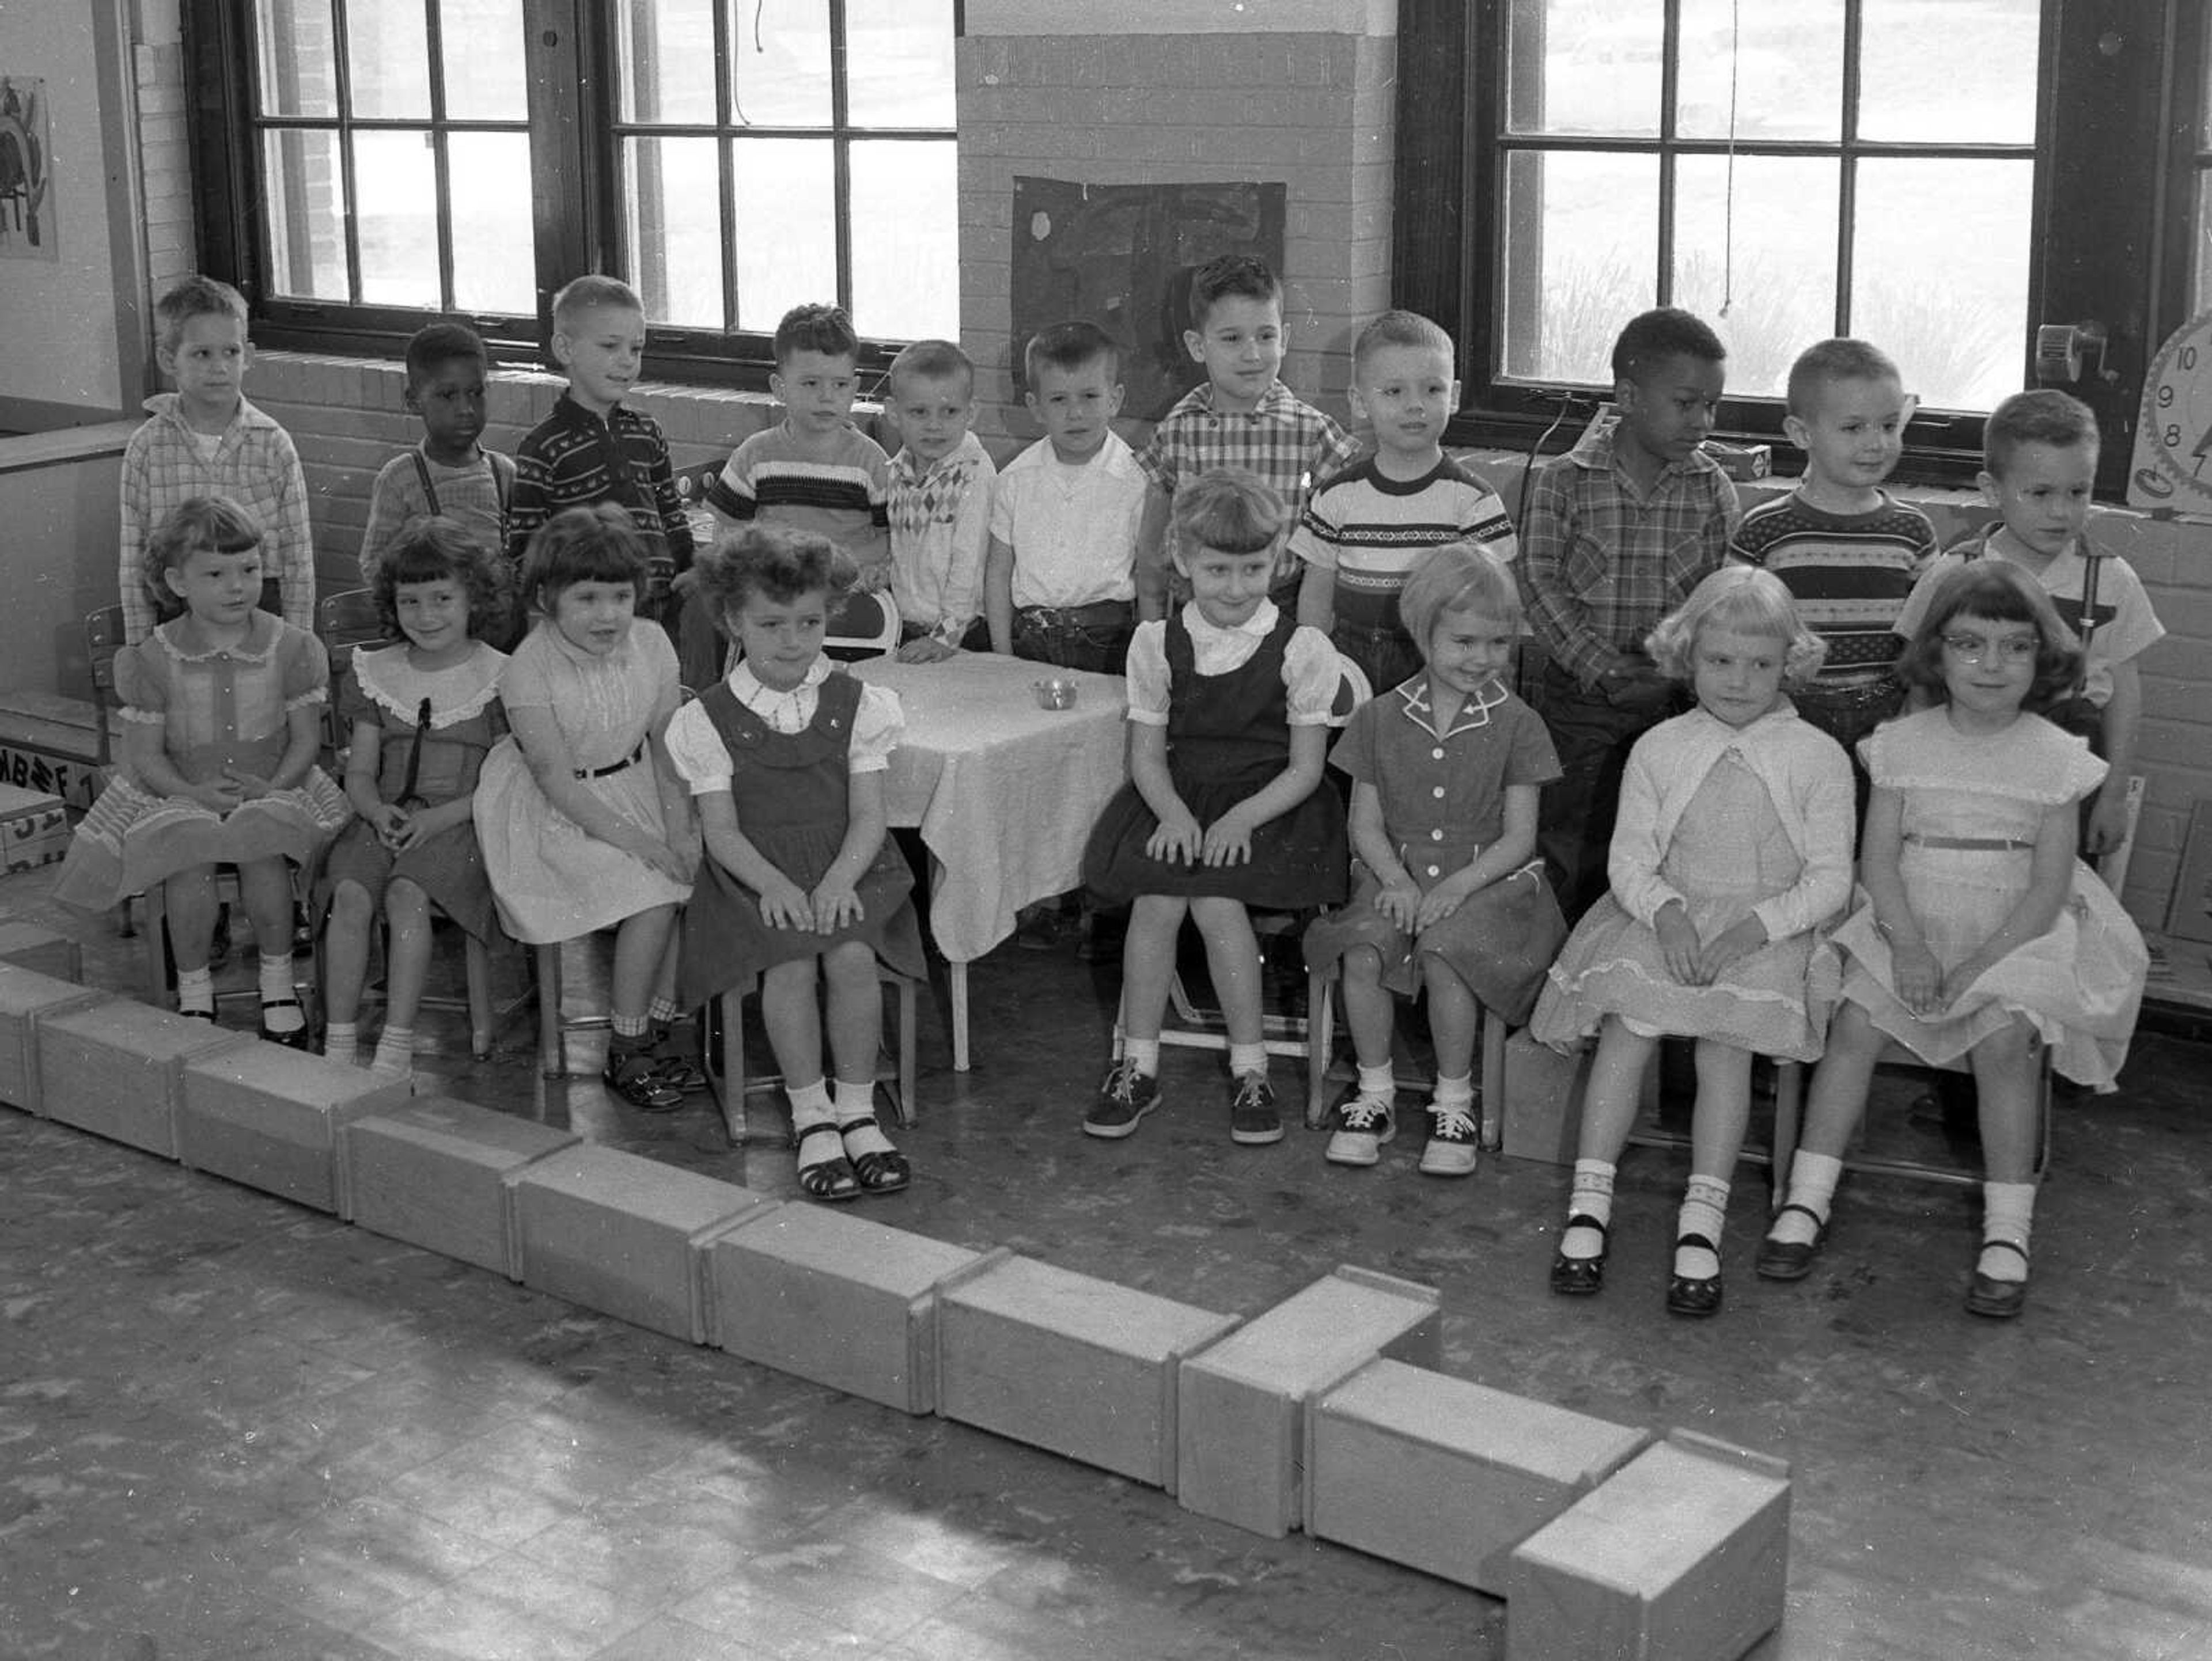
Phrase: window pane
(671, 190)
(1779, 285)
(307, 228)
(898, 63)
(2204, 272)
(484, 44)
(1936, 71)
(667, 52)
(786, 233)
(492, 268)
(388, 59)
(396, 177)
(1582, 66)
(779, 62)
(1580, 234)
(1787, 70)
(906, 238)
(1939, 275)
(299, 57)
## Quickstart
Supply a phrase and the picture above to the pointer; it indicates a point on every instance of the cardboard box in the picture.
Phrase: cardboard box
(117, 1070)
(26, 996)
(1446, 1476)
(1543, 1100)
(836, 1299)
(1241, 1405)
(273, 1117)
(1682, 1554)
(1069, 1362)
(440, 1174)
(28, 946)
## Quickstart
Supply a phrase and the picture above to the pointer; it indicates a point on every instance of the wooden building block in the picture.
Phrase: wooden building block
(836, 1299)
(116, 1069)
(1543, 1100)
(624, 1235)
(28, 946)
(1679, 1555)
(1445, 1475)
(273, 1117)
(1240, 1410)
(438, 1174)
(1069, 1362)
(27, 996)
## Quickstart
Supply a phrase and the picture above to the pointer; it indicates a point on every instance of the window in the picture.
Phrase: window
(366, 164)
(1935, 177)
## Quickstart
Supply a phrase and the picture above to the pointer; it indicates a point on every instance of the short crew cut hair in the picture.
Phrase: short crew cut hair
(1230, 511)
(594, 544)
(1993, 591)
(437, 344)
(1746, 598)
(1231, 274)
(815, 326)
(933, 360)
(2045, 416)
(590, 293)
(1820, 366)
(1399, 328)
(1665, 331)
(1069, 346)
(1456, 576)
(193, 297)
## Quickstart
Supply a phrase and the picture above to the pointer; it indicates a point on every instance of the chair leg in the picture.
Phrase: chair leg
(1789, 1097)
(1321, 1045)
(1492, 1134)
(476, 964)
(731, 1007)
(156, 936)
(908, 1103)
(552, 1059)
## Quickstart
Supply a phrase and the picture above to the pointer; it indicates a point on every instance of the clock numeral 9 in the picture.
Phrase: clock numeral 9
(2166, 396)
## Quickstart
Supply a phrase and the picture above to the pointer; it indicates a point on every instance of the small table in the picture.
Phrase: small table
(1004, 792)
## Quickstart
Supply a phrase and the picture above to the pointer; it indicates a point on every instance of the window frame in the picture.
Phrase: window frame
(2124, 260)
(576, 169)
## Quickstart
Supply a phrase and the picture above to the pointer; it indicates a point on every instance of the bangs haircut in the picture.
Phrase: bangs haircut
(816, 327)
(1666, 331)
(591, 293)
(1231, 275)
(432, 548)
(1230, 511)
(596, 544)
(1457, 576)
(436, 344)
(1069, 347)
(198, 524)
(774, 562)
(1992, 591)
(1402, 329)
(1745, 598)
(933, 359)
(2046, 416)
(195, 296)
(1820, 366)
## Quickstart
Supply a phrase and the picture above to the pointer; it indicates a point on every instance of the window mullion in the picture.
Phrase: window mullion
(1670, 71)
(342, 76)
(840, 154)
(442, 161)
(726, 166)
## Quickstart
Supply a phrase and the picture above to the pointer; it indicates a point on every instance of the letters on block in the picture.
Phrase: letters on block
(1679, 1555)
(436, 1172)
(1069, 1362)
(1543, 1100)
(625, 1236)
(1240, 1423)
(27, 997)
(1446, 1476)
(28, 946)
(273, 1118)
(834, 1299)
(116, 1069)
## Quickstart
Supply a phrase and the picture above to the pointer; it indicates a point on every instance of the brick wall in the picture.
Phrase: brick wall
(157, 61)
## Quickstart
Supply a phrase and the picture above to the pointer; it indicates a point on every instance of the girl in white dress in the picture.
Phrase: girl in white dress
(1982, 938)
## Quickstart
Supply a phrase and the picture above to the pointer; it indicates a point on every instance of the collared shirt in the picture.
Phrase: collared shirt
(1850, 573)
(1073, 530)
(1309, 666)
(474, 496)
(573, 458)
(1372, 531)
(838, 486)
(941, 518)
(703, 760)
(1287, 442)
(252, 462)
(1602, 562)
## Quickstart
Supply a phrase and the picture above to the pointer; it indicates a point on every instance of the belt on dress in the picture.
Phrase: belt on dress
(1971, 844)
(629, 760)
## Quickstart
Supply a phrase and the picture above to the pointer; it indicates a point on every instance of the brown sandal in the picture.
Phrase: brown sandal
(882, 1169)
(830, 1176)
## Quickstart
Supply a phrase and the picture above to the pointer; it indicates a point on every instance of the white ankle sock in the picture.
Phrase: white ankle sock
(1143, 1054)
(196, 989)
(1247, 1059)
(1381, 1082)
(1593, 1198)
(276, 989)
(856, 1101)
(2007, 1214)
(395, 1050)
(341, 1040)
(1705, 1211)
(1812, 1178)
(1455, 1093)
(810, 1105)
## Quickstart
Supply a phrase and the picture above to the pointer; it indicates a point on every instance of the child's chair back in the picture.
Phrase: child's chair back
(103, 639)
(1352, 690)
(344, 620)
(862, 626)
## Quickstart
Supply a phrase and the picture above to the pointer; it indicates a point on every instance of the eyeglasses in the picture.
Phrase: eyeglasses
(1974, 649)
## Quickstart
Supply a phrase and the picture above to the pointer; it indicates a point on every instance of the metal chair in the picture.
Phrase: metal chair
(862, 626)
(1789, 1097)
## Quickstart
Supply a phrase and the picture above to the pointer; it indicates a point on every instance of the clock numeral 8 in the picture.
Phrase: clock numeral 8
(2172, 434)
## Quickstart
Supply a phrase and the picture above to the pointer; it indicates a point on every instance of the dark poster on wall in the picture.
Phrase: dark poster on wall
(1120, 256)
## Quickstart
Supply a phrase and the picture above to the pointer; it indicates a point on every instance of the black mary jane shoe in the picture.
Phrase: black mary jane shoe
(1694, 1295)
(299, 1038)
(1578, 1278)
(1791, 1260)
(2000, 1301)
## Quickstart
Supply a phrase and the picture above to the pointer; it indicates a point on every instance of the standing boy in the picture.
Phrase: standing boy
(1847, 549)
(1619, 530)
(205, 440)
(1367, 528)
(1243, 416)
(1060, 579)
(940, 503)
(2038, 471)
(449, 472)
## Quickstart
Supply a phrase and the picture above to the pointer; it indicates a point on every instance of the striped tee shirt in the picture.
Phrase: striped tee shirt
(1850, 573)
(840, 489)
(1372, 531)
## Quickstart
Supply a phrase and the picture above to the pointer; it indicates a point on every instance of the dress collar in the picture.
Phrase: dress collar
(188, 643)
(746, 686)
(387, 680)
(1259, 625)
(1474, 713)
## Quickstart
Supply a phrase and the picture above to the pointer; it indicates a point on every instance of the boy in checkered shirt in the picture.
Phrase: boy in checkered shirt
(940, 503)
(1243, 416)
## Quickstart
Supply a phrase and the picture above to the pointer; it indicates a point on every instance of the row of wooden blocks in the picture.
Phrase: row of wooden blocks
(1325, 1412)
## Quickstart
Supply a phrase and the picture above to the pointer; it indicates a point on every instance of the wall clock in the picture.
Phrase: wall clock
(2173, 465)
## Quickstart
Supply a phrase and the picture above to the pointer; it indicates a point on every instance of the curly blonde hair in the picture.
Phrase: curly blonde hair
(1742, 597)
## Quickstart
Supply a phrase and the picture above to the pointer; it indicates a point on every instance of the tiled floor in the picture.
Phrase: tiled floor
(230, 1427)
